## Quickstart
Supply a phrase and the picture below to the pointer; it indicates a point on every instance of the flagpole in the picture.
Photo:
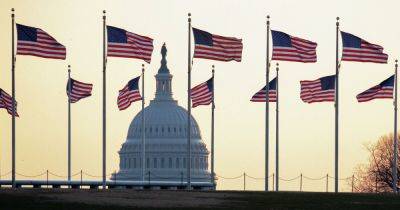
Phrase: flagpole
(143, 130)
(212, 130)
(104, 99)
(267, 112)
(13, 97)
(337, 110)
(395, 143)
(189, 105)
(69, 122)
(277, 129)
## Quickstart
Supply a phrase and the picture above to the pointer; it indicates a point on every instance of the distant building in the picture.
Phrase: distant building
(165, 141)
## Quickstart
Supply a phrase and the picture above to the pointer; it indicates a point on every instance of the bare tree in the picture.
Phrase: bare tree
(376, 175)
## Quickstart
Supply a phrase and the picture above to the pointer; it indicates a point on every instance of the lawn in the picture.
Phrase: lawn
(63, 199)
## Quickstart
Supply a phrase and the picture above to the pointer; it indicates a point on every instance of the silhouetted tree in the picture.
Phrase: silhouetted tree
(376, 175)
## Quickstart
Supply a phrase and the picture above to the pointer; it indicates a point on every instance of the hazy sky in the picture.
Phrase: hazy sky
(307, 130)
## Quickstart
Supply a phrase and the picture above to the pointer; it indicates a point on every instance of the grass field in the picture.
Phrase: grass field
(63, 199)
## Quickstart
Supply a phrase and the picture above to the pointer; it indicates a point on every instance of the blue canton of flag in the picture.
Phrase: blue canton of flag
(383, 90)
(260, 95)
(130, 93)
(290, 48)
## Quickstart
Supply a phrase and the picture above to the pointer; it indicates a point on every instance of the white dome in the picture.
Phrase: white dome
(165, 139)
(163, 119)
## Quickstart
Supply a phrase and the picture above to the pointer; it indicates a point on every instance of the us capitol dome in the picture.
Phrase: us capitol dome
(165, 142)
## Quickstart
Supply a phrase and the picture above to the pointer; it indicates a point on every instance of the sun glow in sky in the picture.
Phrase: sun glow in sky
(306, 130)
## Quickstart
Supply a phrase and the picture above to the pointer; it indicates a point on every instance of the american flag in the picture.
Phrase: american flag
(126, 44)
(6, 102)
(214, 47)
(357, 49)
(130, 93)
(322, 89)
(260, 95)
(290, 48)
(202, 94)
(79, 90)
(36, 42)
(383, 90)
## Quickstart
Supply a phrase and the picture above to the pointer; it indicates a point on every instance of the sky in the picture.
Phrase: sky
(306, 130)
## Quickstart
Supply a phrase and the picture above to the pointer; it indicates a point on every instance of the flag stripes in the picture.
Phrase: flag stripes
(290, 48)
(375, 93)
(202, 94)
(79, 90)
(359, 50)
(130, 93)
(320, 90)
(6, 102)
(215, 47)
(260, 95)
(36, 42)
(381, 91)
(126, 44)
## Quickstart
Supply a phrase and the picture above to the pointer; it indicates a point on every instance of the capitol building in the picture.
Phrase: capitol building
(165, 142)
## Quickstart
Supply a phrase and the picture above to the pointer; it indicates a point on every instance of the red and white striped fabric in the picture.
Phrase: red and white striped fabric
(36, 42)
(79, 90)
(359, 50)
(320, 90)
(376, 92)
(260, 95)
(6, 102)
(125, 44)
(290, 48)
(381, 91)
(215, 47)
(130, 93)
(202, 94)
